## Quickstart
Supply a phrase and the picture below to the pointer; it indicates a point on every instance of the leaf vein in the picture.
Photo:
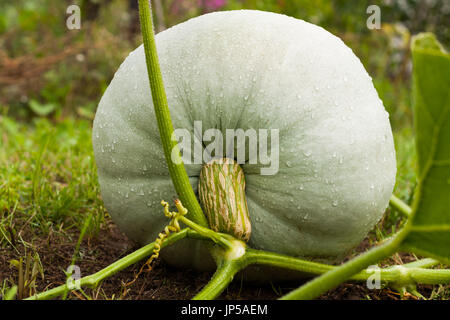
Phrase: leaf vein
(431, 228)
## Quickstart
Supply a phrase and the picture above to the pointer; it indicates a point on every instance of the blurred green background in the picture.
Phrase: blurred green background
(49, 71)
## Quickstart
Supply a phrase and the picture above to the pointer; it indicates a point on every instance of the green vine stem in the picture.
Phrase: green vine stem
(411, 273)
(333, 278)
(423, 263)
(400, 206)
(391, 274)
(177, 170)
(218, 238)
(95, 279)
(233, 255)
(229, 264)
(407, 274)
(221, 279)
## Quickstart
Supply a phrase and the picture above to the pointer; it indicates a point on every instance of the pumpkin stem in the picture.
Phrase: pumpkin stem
(221, 191)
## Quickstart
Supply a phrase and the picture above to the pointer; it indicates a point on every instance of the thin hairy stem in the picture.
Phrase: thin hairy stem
(220, 280)
(176, 167)
(95, 279)
(333, 278)
(400, 206)
(402, 273)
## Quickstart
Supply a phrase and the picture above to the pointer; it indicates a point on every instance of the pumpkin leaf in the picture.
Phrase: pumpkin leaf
(430, 225)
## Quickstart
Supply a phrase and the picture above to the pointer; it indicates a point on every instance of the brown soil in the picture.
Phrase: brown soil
(163, 282)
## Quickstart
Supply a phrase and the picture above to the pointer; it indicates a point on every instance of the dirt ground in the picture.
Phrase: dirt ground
(163, 282)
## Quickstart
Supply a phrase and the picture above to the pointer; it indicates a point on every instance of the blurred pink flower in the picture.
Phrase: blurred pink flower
(213, 4)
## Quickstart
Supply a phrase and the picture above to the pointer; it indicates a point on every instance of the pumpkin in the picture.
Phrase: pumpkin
(253, 70)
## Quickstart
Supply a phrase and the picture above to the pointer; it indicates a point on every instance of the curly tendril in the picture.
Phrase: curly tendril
(173, 226)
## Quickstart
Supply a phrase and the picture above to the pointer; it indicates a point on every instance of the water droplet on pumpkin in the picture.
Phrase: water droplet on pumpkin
(289, 164)
(307, 153)
(335, 203)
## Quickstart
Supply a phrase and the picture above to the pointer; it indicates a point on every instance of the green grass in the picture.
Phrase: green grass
(48, 177)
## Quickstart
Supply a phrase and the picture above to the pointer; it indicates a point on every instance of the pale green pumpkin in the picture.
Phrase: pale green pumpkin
(252, 69)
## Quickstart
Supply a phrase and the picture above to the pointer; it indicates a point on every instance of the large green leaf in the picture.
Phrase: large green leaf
(430, 227)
